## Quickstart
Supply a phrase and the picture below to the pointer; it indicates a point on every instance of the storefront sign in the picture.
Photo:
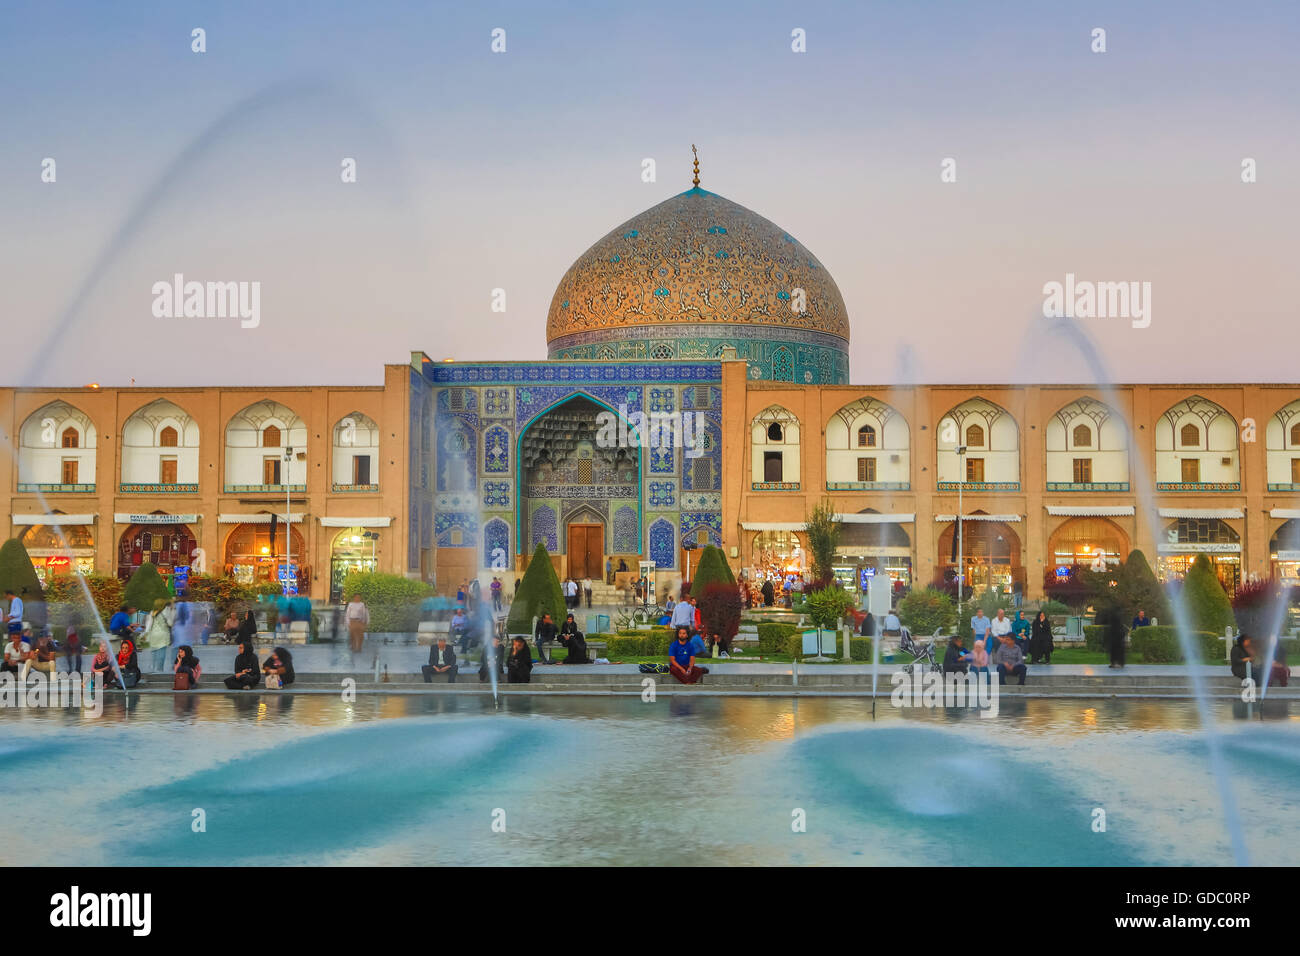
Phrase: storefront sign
(155, 519)
(1222, 547)
(1287, 556)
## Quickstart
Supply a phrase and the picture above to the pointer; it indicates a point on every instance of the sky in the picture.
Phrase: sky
(478, 171)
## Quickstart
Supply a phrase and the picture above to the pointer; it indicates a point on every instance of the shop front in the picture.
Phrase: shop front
(64, 546)
(874, 544)
(353, 549)
(989, 550)
(1187, 538)
(164, 540)
(1284, 552)
(254, 551)
(1089, 542)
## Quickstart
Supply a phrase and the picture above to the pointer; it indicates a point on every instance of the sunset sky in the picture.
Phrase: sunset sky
(479, 171)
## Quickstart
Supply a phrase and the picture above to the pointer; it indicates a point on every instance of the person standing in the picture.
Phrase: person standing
(496, 595)
(1115, 634)
(14, 617)
(683, 615)
(586, 590)
(1020, 630)
(609, 570)
(358, 616)
(72, 649)
(158, 634)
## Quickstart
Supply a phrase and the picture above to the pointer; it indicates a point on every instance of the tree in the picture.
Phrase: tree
(1260, 608)
(712, 569)
(828, 605)
(927, 610)
(1207, 604)
(539, 593)
(823, 533)
(720, 609)
(145, 587)
(17, 573)
(1138, 588)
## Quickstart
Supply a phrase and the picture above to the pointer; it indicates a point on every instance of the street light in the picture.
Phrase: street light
(961, 554)
(288, 555)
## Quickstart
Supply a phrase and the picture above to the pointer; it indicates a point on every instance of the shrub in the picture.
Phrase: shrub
(772, 637)
(720, 609)
(823, 535)
(1094, 637)
(227, 595)
(17, 573)
(1158, 644)
(393, 600)
(622, 646)
(67, 601)
(828, 605)
(793, 645)
(1255, 607)
(538, 593)
(1054, 608)
(926, 610)
(1138, 588)
(712, 569)
(145, 587)
(1207, 604)
(860, 648)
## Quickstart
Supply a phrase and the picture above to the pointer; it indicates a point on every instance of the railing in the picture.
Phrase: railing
(979, 485)
(1284, 486)
(1087, 486)
(774, 486)
(262, 489)
(158, 488)
(1198, 486)
(868, 486)
(56, 487)
(351, 488)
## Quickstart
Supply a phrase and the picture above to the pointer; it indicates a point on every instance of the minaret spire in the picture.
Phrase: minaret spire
(696, 180)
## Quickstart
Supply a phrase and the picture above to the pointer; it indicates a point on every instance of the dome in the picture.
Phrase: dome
(693, 277)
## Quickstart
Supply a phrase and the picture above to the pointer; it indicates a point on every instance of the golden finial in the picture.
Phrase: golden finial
(696, 180)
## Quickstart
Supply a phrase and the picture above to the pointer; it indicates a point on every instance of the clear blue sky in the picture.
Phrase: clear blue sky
(478, 171)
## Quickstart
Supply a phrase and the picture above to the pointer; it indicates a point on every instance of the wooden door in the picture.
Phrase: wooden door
(586, 547)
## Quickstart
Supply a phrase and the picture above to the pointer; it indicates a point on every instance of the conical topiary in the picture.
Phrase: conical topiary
(1138, 588)
(712, 569)
(539, 592)
(17, 573)
(1207, 604)
(145, 587)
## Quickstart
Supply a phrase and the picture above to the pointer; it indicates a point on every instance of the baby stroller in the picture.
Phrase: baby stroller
(921, 653)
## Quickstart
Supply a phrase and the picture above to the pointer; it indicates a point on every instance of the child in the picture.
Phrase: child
(979, 659)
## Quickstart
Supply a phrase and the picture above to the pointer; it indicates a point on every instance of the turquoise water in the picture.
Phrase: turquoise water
(423, 780)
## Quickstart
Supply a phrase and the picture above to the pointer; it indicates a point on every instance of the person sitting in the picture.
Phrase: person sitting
(698, 647)
(1246, 649)
(458, 629)
(101, 666)
(442, 660)
(544, 634)
(280, 665)
(1040, 640)
(892, 626)
(16, 654)
(681, 659)
(1009, 659)
(979, 658)
(232, 628)
(573, 641)
(719, 646)
(128, 663)
(1020, 631)
(519, 664)
(497, 652)
(246, 668)
(868, 626)
(186, 669)
(956, 659)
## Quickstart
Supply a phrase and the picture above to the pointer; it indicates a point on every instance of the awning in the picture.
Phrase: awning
(876, 518)
(1201, 513)
(1284, 513)
(978, 517)
(124, 518)
(1090, 511)
(335, 522)
(773, 525)
(54, 519)
(260, 518)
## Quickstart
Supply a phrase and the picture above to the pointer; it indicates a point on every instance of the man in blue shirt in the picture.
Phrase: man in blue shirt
(980, 625)
(681, 659)
(120, 623)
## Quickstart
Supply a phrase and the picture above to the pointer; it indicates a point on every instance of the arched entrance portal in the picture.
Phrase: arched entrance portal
(1284, 550)
(572, 487)
(870, 544)
(1088, 542)
(991, 551)
(165, 546)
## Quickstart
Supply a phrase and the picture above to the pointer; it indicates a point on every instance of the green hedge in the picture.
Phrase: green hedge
(392, 600)
(772, 637)
(1157, 644)
(1094, 637)
(860, 648)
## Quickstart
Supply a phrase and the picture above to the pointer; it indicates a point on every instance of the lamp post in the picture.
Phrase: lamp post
(288, 554)
(961, 553)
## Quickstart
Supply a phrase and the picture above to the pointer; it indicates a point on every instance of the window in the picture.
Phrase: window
(270, 437)
(457, 537)
(1295, 435)
(866, 469)
(701, 396)
(1082, 437)
(456, 399)
(270, 471)
(774, 432)
(866, 437)
(773, 466)
(167, 471)
(702, 537)
(1082, 471)
(975, 436)
(70, 470)
(974, 469)
(361, 469)
(1295, 471)
(167, 438)
(70, 438)
(584, 471)
(1191, 468)
(662, 351)
(702, 474)
(1189, 437)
